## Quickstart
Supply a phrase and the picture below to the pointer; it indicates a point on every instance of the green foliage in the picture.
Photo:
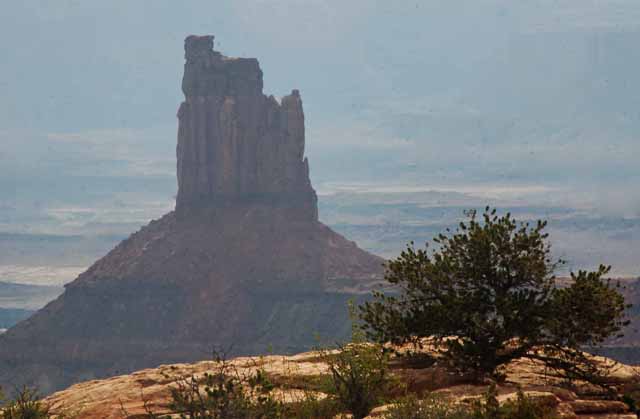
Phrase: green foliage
(312, 407)
(521, 408)
(432, 407)
(631, 402)
(488, 295)
(218, 396)
(26, 405)
(436, 407)
(229, 393)
(588, 311)
(525, 408)
(225, 393)
(359, 377)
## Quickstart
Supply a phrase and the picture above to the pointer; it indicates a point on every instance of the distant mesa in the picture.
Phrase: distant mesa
(242, 262)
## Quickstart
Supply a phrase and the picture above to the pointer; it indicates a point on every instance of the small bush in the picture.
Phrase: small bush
(225, 393)
(219, 396)
(432, 407)
(312, 407)
(525, 408)
(521, 408)
(359, 377)
(631, 401)
(435, 407)
(26, 405)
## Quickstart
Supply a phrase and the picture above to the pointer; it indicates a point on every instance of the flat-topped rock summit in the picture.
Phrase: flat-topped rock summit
(242, 263)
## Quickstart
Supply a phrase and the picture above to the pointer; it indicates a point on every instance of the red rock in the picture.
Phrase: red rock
(234, 143)
(242, 263)
(109, 398)
(598, 406)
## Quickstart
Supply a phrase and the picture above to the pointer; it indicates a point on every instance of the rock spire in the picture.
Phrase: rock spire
(242, 263)
(235, 143)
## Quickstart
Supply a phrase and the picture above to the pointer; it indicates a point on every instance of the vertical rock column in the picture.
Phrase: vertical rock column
(234, 143)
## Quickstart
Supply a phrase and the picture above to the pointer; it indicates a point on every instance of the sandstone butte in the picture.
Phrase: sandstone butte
(242, 263)
(128, 396)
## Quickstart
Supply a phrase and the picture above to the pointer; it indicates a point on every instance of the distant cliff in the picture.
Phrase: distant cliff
(242, 263)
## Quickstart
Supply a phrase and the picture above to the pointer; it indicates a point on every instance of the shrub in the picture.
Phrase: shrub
(26, 405)
(525, 408)
(225, 393)
(219, 396)
(432, 407)
(435, 407)
(488, 295)
(228, 393)
(522, 407)
(359, 377)
(312, 407)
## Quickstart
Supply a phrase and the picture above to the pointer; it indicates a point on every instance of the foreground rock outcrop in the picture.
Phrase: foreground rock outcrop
(294, 376)
(242, 264)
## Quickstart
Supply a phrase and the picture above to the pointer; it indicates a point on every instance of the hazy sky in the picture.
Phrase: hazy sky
(442, 94)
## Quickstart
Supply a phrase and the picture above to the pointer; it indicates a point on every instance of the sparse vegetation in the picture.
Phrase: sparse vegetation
(313, 407)
(522, 407)
(434, 406)
(359, 377)
(487, 294)
(357, 382)
(26, 404)
(225, 393)
(229, 393)
(431, 407)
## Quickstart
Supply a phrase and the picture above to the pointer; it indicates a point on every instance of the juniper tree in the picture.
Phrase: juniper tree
(487, 293)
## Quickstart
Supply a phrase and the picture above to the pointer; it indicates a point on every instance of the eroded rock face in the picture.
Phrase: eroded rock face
(242, 264)
(235, 143)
